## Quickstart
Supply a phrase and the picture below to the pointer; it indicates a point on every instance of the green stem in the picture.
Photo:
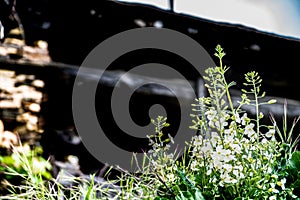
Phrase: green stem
(257, 111)
(226, 87)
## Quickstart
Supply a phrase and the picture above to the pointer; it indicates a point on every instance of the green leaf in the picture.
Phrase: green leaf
(47, 175)
(296, 184)
(198, 195)
(8, 160)
(161, 198)
(89, 193)
(194, 194)
(186, 195)
(185, 180)
(295, 160)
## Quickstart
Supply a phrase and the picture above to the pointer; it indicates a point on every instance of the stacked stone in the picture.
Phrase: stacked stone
(20, 104)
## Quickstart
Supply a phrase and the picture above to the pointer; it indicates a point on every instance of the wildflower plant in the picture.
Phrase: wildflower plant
(233, 156)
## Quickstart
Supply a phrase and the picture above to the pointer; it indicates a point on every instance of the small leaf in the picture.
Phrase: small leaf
(185, 180)
(88, 195)
(295, 160)
(296, 184)
(198, 195)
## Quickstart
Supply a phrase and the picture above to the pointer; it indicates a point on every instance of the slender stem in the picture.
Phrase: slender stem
(257, 110)
(226, 87)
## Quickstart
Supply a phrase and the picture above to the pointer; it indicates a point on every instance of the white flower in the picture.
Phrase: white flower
(245, 141)
(167, 147)
(239, 167)
(171, 177)
(215, 138)
(211, 124)
(270, 133)
(281, 183)
(269, 170)
(211, 114)
(228, 156)
(221, 183)
(236, 148)
(208, 172)
(214, 180)
(217, 163)
(249, 130)
(219, 153)
(229, 132)
(244, 119)
(228, 139)
(226, 178)
(222, 124)
(236, 173)
(154, 152)
(273, 189)
(268, 155)
(273, 197)
(237, 118)
(274, 176)
(207, 149)
(264, 141)
(261, 115)
(196, 153)
(197, 141)
(194, 164)
(227, 168)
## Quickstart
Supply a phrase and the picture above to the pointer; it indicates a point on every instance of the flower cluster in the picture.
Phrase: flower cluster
(232, 156)
(160, 154)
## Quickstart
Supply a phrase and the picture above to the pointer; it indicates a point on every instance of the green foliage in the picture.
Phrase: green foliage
(237, 157)
(30, 163)
(234, 156)
(22, 164)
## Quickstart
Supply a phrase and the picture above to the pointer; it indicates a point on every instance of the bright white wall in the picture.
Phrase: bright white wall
(276, 16)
